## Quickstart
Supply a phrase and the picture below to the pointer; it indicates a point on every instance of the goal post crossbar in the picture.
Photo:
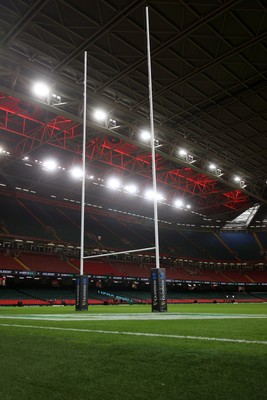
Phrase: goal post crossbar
(119, 252)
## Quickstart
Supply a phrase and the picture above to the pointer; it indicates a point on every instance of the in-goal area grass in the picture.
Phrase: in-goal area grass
(216, 351)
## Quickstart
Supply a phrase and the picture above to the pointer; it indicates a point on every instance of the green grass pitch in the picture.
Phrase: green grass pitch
(216, 351)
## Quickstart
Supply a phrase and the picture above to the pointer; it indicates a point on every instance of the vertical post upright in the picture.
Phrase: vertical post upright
(161, 272)
(82, 280)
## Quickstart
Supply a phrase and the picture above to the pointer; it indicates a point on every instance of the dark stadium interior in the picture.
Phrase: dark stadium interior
(209, 99)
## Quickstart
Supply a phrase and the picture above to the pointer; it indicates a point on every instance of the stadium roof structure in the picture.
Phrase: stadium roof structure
(209, 97)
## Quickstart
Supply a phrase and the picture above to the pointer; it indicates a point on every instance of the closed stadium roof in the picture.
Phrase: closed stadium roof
(209, 97)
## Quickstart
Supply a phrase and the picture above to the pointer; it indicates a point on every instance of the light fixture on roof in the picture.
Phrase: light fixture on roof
(49, 165)
(212, 167)
(215, 170)
(240, 181)
(3, 151)
(182, 152)
(100, 115)
(41, 89)
(189, 158)
(179, 203)
(149, 194)
(76, 172)
(113, 183)
(132, 189)
(145, 136)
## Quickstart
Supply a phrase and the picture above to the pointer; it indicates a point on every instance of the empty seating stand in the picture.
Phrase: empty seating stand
(46, 262)
(7, 262)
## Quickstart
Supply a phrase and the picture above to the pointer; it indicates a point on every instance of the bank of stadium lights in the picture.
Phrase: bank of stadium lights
(178, 203)
(131, 188)
(189, 158)
(50, 165)
(241, 183)
(182, 152)
(215, 170)
(47, 165)
(212, 167)
(76, 172)
(43, 91)
(3, 151)
(113, 183)
(100, 115)
(149, 194)
(145, 136)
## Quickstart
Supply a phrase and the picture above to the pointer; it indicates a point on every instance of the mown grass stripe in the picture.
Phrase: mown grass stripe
(161, 335)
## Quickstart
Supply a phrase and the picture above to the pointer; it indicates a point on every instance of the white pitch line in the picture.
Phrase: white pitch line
(129, 317)
(161, 335)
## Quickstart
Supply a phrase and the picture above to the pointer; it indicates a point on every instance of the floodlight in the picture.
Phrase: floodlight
(132, 189)
(178, 203)
(145, 136)
(240, 181)
(49, 165)
(160, 196)
(149, 194)
(212, 167)
(113, 183)
(182, 152)
(76, 172)
(188, 206)
(100, 115)
(41, 89)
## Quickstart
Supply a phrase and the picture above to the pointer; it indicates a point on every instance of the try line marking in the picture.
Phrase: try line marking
(160, 335)
(127, 317)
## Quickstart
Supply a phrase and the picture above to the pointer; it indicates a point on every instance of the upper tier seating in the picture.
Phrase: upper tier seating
(209, 245)
(55, 221)
(46, 262)
(9, 262)
(53, 263)
(243, 244)
(258, 276)
(96, 267)
(18, 221)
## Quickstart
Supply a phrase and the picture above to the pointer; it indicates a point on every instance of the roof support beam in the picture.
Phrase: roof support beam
(24, 21)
